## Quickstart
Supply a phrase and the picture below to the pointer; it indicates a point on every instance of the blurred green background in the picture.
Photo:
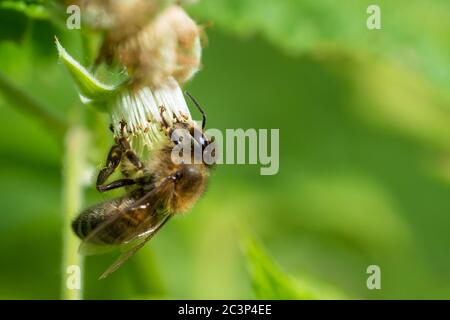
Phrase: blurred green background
(364, 119)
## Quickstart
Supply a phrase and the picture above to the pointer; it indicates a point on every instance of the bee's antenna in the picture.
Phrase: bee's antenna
(199, 108)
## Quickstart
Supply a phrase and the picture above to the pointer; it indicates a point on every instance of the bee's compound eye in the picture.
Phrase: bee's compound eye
(178, 175)
(191, 172)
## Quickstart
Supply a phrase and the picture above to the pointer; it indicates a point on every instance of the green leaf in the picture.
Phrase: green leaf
(92, 91)
(33, 22)
(32, 9)
(13, 25)
(415, 32)
(270, 282)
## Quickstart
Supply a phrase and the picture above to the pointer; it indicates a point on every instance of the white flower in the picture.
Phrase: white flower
(141, 113)
(158, 49)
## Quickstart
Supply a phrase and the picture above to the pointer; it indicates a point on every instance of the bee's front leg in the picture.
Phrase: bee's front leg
(129, 153)
(116, 184)
(112, 162)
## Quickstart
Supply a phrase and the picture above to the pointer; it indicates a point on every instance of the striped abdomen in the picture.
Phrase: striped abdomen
(119, 222)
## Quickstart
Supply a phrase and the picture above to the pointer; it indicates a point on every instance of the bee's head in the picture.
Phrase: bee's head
(188, 179)
(194, 136)
(194, 141)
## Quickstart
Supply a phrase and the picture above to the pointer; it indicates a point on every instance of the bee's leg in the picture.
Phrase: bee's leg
(129, 153)
(112, 162)
(164, 123)
(116, 184)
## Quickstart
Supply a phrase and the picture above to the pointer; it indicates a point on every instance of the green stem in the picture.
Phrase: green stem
(73, 171)
(23, 101)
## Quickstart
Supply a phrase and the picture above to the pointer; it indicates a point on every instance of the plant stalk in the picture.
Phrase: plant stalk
(73, 172)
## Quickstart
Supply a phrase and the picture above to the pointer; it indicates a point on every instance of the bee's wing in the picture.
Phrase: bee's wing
(148, 203)
(90, 249)
(130, 248)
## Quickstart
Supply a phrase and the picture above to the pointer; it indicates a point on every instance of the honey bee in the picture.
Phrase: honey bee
(156, 190)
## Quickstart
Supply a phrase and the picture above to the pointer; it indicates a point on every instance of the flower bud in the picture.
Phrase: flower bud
(167, 47)
(118, 17)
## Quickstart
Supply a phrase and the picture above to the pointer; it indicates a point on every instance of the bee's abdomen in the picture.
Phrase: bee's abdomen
(87, 221)
(94, 216)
